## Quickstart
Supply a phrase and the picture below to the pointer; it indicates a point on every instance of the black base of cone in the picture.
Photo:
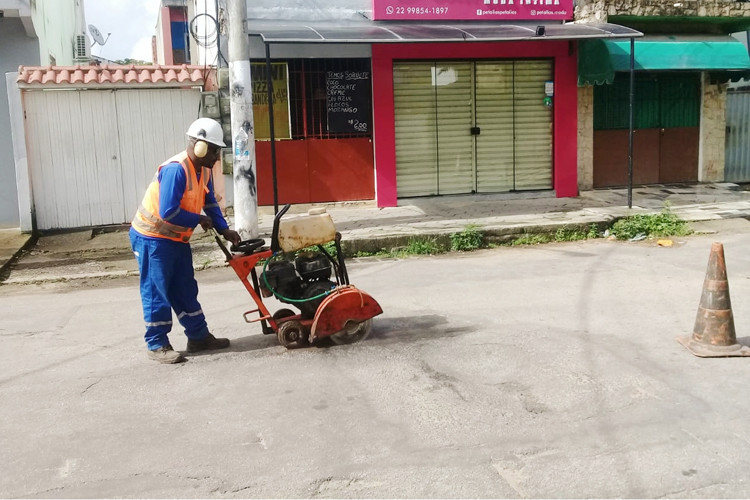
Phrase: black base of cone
(703, 350)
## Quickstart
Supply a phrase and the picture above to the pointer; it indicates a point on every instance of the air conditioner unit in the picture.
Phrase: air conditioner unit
(81, 49)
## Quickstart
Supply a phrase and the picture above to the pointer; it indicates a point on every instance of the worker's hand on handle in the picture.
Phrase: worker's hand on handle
(205, 222)
(231, 235)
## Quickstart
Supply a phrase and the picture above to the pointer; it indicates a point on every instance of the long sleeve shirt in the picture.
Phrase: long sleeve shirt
(171, 188)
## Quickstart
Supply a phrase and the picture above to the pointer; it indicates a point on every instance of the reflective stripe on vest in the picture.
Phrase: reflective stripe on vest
(147, 220)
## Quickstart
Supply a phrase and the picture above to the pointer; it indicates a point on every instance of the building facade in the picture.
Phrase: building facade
(171, 42)
(437, 116)
(31, 33)
(684, 64)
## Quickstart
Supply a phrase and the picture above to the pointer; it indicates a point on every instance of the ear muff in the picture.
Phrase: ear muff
(200, 149)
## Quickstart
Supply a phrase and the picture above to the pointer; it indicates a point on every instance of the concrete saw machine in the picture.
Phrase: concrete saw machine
(300, 270)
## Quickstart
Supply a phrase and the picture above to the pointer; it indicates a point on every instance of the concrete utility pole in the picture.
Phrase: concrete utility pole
(243, 131)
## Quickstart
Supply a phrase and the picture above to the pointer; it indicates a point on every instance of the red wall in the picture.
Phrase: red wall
(565, 160)
(316, 170)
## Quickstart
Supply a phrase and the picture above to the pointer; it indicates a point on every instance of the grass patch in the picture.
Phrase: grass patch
(415, 246)
(467, 240)
(665, 223)
(422, 246)
(567, 234)
(531, 239)
(329, 247)
(379, 253)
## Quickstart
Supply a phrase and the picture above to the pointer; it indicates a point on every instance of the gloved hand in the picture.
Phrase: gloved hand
(231, 235)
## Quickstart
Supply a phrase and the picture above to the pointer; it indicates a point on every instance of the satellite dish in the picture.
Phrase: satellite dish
(97, 35)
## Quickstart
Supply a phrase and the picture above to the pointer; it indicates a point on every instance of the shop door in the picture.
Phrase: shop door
(666, 135)
(466, 127)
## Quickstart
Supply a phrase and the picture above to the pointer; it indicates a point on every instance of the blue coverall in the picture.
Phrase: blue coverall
(166, 266)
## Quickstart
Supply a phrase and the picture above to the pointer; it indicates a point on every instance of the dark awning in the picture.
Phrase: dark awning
(723, 57)
(273, 32)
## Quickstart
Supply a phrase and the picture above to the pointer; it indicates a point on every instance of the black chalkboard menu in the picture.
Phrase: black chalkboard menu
(348, 101)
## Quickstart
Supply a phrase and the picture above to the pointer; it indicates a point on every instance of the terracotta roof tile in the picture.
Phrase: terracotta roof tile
(112, 75)
(61, 77)
(35, 76)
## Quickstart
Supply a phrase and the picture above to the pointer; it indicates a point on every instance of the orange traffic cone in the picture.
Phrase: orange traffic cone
(713, 333)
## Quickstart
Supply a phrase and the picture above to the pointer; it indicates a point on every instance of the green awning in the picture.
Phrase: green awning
(724, 57)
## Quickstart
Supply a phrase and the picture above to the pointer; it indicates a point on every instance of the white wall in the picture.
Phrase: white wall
(55, 22)
(17, 48)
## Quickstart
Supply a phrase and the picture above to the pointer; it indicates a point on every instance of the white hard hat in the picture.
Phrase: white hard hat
(208, 130)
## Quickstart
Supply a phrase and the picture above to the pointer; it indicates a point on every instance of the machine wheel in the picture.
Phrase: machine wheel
(290, 332)
(283, 313)
(304, 339)
(353, 332)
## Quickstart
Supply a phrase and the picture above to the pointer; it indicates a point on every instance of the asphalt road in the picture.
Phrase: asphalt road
(548, 371)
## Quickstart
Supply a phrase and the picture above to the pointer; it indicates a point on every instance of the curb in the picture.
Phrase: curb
(5, 266)
(208, 255)
(497, 234)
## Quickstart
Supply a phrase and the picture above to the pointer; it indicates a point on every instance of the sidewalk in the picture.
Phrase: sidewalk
(105, 252)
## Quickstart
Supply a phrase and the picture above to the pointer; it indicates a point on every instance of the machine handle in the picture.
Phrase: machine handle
(221, 244)
(275, 233)
(256, 319)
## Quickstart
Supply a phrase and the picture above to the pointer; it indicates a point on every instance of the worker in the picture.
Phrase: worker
(160, 235)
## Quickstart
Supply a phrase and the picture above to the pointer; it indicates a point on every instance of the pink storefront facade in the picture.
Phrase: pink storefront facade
(563, 56)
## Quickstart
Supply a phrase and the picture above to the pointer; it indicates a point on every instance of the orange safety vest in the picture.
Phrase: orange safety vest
(147, 220)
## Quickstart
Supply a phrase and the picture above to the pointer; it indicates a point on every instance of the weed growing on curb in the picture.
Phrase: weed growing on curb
(531, 239)
(566, 234)
(422, 246)
(380, 253)
(467, 240)
(665, 223)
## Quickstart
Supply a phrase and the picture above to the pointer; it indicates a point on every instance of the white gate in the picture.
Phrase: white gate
(737, 162)
(93, 152)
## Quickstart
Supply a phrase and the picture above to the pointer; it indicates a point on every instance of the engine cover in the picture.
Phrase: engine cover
(282, 279)
(313, 266)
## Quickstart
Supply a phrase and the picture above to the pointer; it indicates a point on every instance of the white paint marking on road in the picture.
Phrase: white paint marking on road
(261, 441)
(513, 478)
(66, 469)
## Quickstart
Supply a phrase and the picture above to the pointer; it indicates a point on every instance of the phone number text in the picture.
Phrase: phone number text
(420, 10)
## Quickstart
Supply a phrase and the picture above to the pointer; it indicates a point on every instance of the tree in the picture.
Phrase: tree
(137, 62)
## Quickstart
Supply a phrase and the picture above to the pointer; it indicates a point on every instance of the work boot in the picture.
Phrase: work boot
(166, 355)
(208, 343)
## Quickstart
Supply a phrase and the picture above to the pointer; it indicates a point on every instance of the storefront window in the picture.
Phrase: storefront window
(330, 98)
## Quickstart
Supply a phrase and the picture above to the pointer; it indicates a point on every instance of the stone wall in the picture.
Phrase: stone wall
(713, 132)
(596, 11)
(585, 138)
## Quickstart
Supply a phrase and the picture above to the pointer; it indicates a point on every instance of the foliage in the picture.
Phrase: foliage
(531, 239)
(137, 62)
(422, 246)
(467, 240)
(378, 253)
(665, 223)
(329, 247)
(567, 234)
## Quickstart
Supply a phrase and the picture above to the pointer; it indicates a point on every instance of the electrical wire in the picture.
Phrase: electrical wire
(210, 38)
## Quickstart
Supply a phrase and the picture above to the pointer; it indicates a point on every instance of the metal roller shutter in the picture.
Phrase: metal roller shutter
(436, 106)
(532, 126)
(416, 129)
(453, 84)
(495, 119)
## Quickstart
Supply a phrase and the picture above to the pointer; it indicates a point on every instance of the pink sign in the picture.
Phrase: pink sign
(471, 10)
